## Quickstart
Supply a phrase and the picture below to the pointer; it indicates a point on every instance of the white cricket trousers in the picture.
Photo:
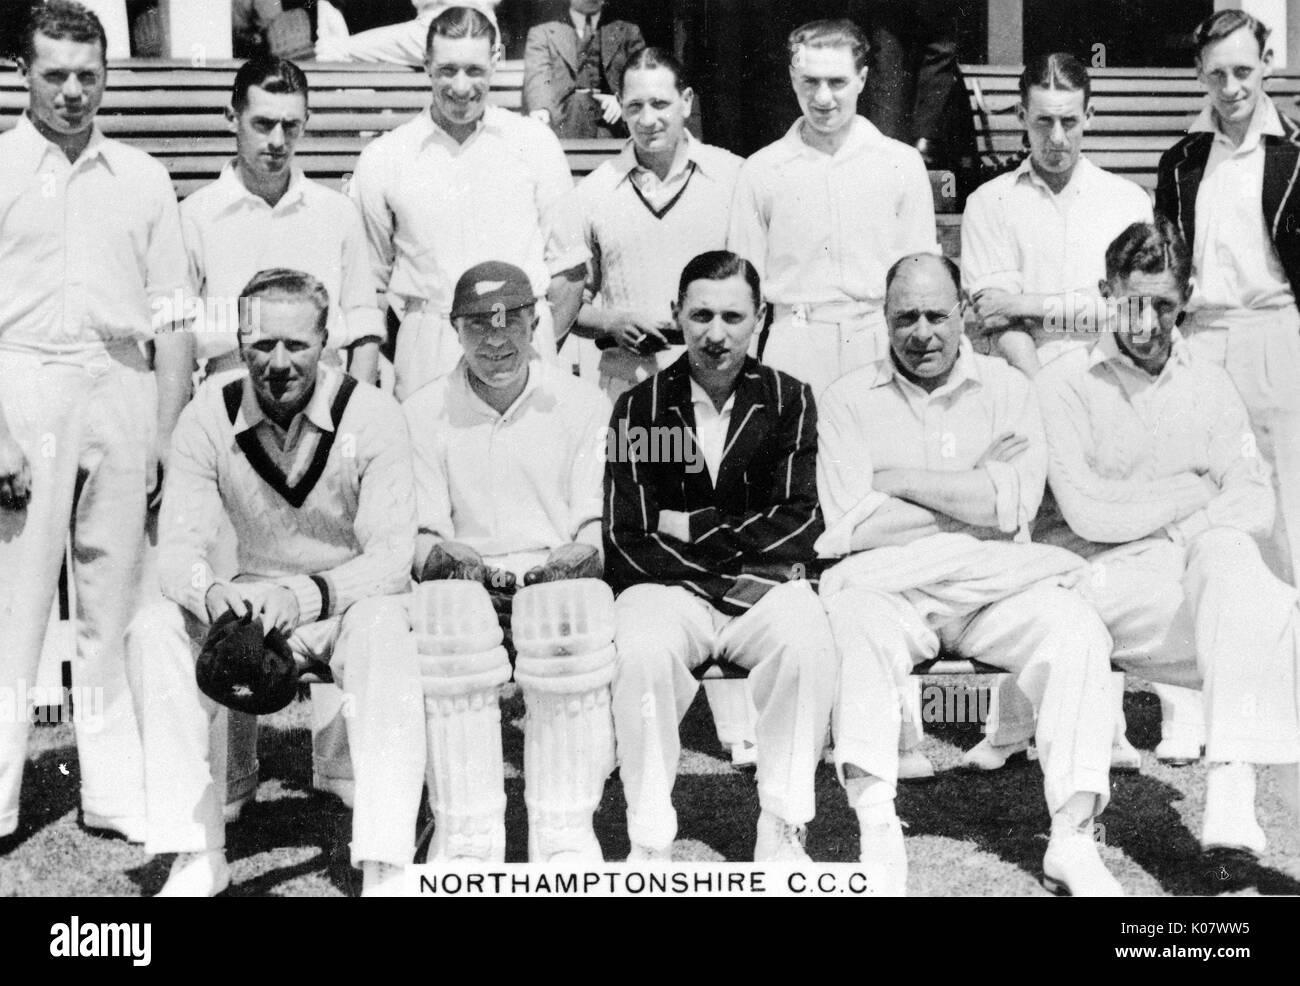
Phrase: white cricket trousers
(818, 344)
(1261, 352)
(428, 347)
(1048, 636)
(86, 425)
(371, 652)
(1208, 615)
(663, 632)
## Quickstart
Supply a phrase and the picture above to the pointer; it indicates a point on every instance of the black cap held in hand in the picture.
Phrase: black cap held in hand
(244, 669)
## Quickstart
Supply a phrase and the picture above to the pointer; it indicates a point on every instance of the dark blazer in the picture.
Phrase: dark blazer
(551, 61)
(753, 531)
(1183, 166)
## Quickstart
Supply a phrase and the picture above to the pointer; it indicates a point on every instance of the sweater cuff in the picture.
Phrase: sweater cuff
(1006, 496)
(837, 540)
(313, 595)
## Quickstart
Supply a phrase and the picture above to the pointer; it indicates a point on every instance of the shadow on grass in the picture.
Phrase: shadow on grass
(47, 793)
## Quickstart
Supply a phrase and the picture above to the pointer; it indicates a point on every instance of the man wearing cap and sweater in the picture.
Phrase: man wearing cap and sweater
(460, 184)
(314, 473)
(509, 452)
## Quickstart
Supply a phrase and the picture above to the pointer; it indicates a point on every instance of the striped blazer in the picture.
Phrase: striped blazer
(754, 530)
(1183, 166)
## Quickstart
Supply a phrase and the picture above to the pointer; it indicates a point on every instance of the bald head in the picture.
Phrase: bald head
(923, 310)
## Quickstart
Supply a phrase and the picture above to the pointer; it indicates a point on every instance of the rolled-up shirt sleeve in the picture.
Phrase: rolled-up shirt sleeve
(989, 258)
(367, 189)
(557, 203)
(358, 300)
(166, 269)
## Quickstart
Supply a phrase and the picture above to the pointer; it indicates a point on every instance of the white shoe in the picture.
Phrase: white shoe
(913, 765)
(882, 854)
(130, 827)
(987, 755)
(1230, 821)
(581, 851)
(1124, 756)
(381, 879)
(197, 874)
(644, 854)
(1179, 747)
(1073, 866)
(343, 788)
(232, 811)
(778, 841)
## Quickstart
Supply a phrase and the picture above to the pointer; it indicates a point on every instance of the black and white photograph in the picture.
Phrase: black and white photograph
(660, 448)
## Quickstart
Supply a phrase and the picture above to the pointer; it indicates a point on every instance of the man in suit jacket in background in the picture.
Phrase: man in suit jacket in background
(572, 69)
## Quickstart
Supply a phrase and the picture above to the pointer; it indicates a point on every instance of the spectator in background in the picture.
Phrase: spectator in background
(397, 44)
(915, 89)
(573, 68)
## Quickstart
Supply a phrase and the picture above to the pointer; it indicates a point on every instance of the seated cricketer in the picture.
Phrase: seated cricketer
(1157, 473)
(710, 518)
(930, 468)
(313, 472)
(509, 452)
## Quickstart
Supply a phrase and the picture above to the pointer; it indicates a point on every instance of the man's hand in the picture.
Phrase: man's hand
(1004, 448)
(15, 475)
(634, 330)
(541, 116)
(279, 610)
(610, 110)
(567, 561)
(453, 560)
(222, 598)
(997, 310)
(675, 524)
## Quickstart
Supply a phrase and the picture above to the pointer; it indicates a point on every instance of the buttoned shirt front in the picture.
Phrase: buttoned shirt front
(90, 251)
(875, 418)
(1234, 263)
(231, 234)
(434, 207)
(1131, 455)
(510, 483)
(711, 426)
(1017, 235)
(824, 228)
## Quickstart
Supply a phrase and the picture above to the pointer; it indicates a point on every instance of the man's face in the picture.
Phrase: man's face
(717, 318)
(267, 131)
(827, 86)
(1055, 120)
(1233, 72)
(281, 346)
(654, 110)
(925, 325)
(1145, 309)
(586, 7)
(461, 72)
(497, 346)
(65, 84)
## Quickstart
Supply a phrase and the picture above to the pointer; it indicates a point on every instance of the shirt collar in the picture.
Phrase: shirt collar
(699, 396)
(965, 371)
(538, 384)
(234, 191)
(1083, 169)
(1106, 350)
(688, 152)
(1265, 120)
(38, 145)
(490, 120)
(579, 21)
(863, 135)
(317, 410)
